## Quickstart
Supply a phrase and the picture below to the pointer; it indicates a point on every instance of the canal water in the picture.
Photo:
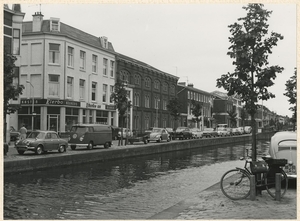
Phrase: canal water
(132, 188)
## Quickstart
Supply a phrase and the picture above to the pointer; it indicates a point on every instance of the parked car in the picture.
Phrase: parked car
(14, 134)
(171, 132)
(159, 134)
(41, 142)
(183, 133)
(241, 129)
(210, 132)
(197, 133)
(223, 132)
(247, 129)
(284, 146)
(236, 131)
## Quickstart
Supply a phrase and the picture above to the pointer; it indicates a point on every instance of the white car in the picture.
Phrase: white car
(236, 131)
(247, 129)
(197, 133)
(223, 132)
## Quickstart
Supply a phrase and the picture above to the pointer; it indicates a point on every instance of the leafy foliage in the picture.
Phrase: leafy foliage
(250, 48)
(291, 93)
(232, 117)
(196, 110)
(174, 107)
(11, 91)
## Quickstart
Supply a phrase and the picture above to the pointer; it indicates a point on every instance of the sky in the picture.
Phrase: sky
(186, 40)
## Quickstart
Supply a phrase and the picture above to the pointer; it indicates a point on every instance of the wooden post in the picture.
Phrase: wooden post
(252, 187)
(278, 186)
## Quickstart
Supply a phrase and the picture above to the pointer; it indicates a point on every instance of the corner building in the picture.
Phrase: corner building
(151, 91)
(68, 76)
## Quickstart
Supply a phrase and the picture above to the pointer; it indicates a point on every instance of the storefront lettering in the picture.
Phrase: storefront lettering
(98, 106)
(51, 102)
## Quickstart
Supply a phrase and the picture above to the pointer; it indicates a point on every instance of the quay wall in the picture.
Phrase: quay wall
(49, 161)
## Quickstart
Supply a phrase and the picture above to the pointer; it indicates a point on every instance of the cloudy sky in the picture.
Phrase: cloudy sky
(187, 40)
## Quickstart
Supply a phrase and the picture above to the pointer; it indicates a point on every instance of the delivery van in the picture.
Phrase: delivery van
(90, 135)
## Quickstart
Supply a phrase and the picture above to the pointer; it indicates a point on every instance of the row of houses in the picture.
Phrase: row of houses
(69, 75)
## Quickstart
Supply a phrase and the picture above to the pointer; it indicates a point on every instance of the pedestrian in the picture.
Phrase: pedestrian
(23, 132)
(119, 138)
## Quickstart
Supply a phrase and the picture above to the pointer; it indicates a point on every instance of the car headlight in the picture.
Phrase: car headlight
(28, 143)
(157, 136)
(81, 138)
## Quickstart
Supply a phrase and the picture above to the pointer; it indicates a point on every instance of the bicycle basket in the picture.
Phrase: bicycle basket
(276, 162)
(258, 167)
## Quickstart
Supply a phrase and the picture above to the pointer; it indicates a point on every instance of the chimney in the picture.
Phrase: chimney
(37, 21)
(16, 7)
(190, 85)
(181, 83)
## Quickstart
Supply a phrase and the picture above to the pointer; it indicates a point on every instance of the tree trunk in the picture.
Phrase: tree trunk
(253, 125)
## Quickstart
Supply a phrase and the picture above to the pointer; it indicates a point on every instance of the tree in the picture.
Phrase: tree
(232, 117)
(174, 107)
(11, 90)
(250, 48)
(120, 98)
(291, 88)
(196, 111)
(244, 116)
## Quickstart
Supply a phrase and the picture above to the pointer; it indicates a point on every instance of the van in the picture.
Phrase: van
(90, 135)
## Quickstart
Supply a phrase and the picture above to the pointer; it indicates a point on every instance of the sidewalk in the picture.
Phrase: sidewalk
(212, 204)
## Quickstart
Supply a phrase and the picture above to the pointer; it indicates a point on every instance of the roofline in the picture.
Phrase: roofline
(195, 89)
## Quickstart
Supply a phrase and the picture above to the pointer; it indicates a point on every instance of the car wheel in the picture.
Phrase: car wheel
(39, 150)
(21, 152)
(90, 145)
(159, 140)
(61, 149)
(73, 147)
(169, 139)
(106, 145)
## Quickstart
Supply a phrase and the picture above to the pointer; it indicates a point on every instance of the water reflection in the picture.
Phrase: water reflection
(59, 193)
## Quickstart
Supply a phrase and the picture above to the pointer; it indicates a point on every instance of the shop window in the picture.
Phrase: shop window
(53, 85)
(54, 53)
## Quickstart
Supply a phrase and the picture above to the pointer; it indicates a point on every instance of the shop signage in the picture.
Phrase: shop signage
(92, 105)
(51, 102)
(110, 107)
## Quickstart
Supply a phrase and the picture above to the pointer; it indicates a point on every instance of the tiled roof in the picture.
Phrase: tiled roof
(70, 32)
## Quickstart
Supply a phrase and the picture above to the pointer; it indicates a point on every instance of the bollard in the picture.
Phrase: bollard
(252, 187)
(278, 186)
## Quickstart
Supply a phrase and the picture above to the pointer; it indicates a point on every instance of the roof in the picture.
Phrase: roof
(69, 31)
(193, 89)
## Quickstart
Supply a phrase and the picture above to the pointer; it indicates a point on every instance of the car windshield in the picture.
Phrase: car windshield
(156, 130)
(37, 135)
(208, 129)
(80, 129)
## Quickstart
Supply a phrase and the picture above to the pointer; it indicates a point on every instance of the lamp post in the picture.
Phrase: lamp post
(32, 117)
(157, 113)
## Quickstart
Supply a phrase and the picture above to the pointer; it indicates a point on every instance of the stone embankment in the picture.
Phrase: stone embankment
(78, 156)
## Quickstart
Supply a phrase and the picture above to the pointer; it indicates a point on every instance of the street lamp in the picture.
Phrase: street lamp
(32, 118)
(157, 112)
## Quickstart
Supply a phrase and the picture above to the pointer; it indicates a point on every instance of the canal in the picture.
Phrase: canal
(132, 188)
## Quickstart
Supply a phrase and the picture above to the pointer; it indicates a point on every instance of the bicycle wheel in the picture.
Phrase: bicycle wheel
(235, 184)
(270, 183)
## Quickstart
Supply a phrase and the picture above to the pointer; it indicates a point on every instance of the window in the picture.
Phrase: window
(111, 92)
(188, 94)
(54, 24)
(147, 101)
(156, 85)
(137, 79)
(104, 96)
(172, 89)
(147, 82)
(165, 87)
(81, 88)
(70, 57)
(94, 63)
(69, 87)
(124, 76)
(54, 53)
(147, 122)
(112, 63)
(137, 99)
(94, 91)
(16, 41)
(156, 103)
(53, 85)
(164, 105)
(82, 60)
(104, 66)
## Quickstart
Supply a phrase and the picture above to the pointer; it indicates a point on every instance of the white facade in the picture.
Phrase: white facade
(69, 80)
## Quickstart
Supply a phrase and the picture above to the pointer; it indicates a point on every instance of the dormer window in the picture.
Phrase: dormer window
(54, 24)
(104, 42)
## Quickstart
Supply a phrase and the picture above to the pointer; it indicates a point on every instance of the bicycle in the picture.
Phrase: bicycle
(235, 183)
